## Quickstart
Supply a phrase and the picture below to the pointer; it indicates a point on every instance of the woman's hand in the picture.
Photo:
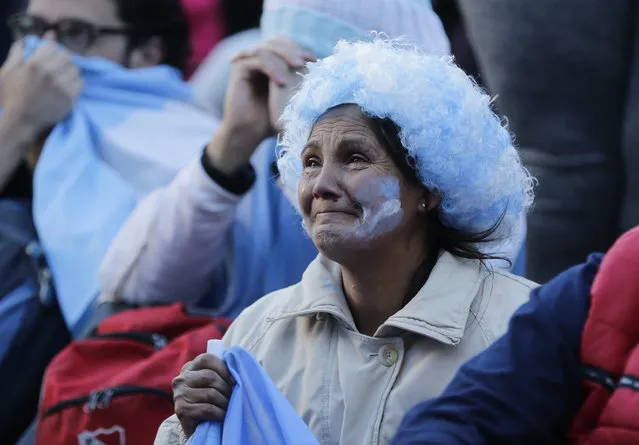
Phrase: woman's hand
(251, 106)
(202, 391)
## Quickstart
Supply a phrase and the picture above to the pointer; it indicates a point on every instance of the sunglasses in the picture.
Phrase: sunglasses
(77, 35)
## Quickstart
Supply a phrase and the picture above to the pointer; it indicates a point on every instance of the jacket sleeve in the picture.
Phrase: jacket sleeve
(170, 433)
(172, 242)
(524, 388)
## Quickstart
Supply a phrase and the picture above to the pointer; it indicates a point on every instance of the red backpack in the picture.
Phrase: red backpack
(114, 388)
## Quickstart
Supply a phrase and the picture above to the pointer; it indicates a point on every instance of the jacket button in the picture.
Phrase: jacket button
(388, 355)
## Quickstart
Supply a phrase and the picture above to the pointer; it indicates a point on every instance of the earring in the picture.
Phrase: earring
(423, 205)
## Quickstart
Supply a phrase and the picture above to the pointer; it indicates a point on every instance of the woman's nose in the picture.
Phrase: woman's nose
(326, 184)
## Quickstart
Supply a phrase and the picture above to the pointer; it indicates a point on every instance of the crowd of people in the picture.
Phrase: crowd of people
(413, 212)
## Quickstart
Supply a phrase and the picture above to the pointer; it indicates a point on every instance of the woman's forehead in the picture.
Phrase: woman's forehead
(344, 121)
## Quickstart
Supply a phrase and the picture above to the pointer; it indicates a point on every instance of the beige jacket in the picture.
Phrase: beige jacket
(352, 389)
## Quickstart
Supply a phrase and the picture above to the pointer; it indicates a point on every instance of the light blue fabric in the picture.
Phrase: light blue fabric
(129, 133)
(315, 31)
(258, 413)
(459, 147)
(268, 248)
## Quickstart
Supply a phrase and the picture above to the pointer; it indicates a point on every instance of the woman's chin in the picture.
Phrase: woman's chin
(336, 243)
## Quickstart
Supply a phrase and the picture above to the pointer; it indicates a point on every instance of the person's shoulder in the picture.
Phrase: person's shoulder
(506, 290)
(502, 294)
(251, 325)
(506, 281)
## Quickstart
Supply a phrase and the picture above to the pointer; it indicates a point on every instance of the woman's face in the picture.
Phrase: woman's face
(351, 193)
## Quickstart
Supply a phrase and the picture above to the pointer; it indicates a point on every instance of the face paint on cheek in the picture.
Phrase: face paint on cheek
(381, 208)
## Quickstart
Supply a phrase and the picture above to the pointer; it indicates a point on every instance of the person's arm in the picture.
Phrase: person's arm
(15, 140)
(524, 388)
(172, 242)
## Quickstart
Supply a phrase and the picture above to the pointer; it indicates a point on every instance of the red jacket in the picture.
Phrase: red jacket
(609, 414)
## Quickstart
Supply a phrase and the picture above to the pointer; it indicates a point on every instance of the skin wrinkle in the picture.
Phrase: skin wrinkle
(367, 192)
(450, 116)
(363, 214)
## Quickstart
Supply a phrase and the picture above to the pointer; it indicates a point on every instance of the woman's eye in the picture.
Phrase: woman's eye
(357, 158)
(311, 162)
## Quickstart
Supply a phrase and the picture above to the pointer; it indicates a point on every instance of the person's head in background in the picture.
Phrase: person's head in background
(133, 33)
(316, 26)
(240, 15)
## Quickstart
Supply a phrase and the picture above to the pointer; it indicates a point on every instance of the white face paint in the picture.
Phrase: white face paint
(382, 208)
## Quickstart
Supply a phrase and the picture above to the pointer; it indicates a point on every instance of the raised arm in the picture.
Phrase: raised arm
(174, 240)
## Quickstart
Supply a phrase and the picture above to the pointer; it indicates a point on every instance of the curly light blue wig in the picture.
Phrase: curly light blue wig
(459, 147)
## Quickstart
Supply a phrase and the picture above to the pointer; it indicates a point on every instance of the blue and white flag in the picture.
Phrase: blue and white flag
(129, 133)
(258, 413)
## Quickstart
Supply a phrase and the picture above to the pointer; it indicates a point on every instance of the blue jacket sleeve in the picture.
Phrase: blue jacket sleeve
(524, 388)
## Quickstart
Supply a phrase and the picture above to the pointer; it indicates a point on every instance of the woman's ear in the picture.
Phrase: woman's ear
(148, 54)
(430, 201)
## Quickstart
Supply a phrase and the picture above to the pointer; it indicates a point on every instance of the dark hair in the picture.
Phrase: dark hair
(164, 19)
(240, 15)
(459, 243)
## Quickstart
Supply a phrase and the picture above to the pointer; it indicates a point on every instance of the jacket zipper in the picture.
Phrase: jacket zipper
(156, 340)
(102, 399)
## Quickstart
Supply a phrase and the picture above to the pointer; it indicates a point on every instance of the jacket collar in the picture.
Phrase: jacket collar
(440, 310)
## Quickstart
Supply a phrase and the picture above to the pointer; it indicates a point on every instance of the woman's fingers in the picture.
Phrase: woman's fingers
(207, 378)
(206, 371)
(202, 391)
(200, 411)
(269, 66)
(190, 415)
(244, 54)
(295, 56)
(194, 396)
(209, 361)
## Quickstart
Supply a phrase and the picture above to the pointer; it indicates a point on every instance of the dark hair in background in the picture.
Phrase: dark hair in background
(448, 12)
(459, 243)
(164, 19)
(7, 8)
(240, 15)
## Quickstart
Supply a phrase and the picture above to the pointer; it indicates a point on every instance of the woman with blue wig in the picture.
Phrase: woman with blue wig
(404, 178)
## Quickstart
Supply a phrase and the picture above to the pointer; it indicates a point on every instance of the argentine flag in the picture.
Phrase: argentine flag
(129, 133)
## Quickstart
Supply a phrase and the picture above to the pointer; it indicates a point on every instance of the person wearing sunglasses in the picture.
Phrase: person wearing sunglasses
(38, 93)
